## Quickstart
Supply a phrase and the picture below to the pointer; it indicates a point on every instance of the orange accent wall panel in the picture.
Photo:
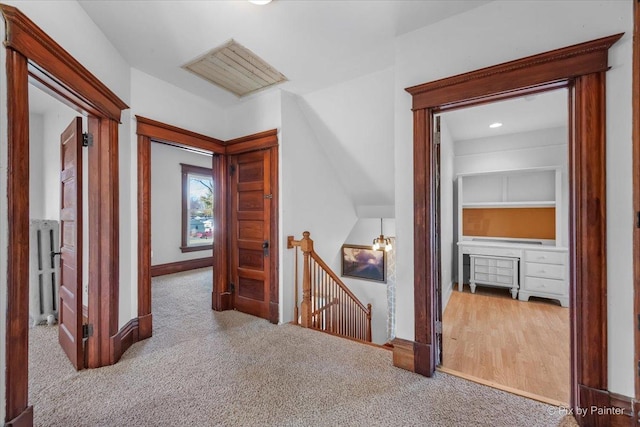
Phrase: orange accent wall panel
(521, 223)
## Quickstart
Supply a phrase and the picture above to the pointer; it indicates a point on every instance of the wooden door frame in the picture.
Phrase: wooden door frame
(636, 189)
(149, 131)
(34, 57)
(267, 140)
(221, 298)
(581, 68)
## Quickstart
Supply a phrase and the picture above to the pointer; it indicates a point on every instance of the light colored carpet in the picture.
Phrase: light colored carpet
(203, 368)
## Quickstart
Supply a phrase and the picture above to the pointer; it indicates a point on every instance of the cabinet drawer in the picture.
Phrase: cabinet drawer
(504, 279)
(483, 277)
(550, 271)
(551, 286)
(507, 252)
(493, 270)
(544, 257)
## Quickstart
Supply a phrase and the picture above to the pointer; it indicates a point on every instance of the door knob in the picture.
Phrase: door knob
(265, 247)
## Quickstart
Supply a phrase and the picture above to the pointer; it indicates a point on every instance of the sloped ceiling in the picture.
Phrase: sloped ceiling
(314, 43)
(355, 126)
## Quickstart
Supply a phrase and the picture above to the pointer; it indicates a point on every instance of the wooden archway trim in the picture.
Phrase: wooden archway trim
(22, 35)
(32, 54)
(151, 130)
(581, 68)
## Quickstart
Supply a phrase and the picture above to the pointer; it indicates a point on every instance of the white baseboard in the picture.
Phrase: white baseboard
(446, 294)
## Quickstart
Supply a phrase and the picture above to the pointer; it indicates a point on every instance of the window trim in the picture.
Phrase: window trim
(186, 170)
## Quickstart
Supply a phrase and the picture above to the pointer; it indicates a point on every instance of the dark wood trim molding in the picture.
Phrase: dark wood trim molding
(636, 180)
(257, 141)
(17, 338)
(125, 338)
(25, 419)
(403, 354)
(153, 131)
(32, 53)
(104, 247)
(274, 290)
(626, 410)
(220, 295)
(172, 135)
(179, 266)
(581, 68)
(24, 36)
(529, 72)
(144, 236)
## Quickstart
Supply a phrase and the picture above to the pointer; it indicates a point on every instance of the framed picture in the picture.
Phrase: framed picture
(362, 262)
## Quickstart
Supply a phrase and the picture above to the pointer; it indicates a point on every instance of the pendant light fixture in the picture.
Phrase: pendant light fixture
(382, 243)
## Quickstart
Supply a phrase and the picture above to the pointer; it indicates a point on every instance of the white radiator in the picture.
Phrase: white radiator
(43, 270)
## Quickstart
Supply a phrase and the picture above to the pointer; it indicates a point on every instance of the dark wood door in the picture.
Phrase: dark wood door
(250, 238)
(70, 307)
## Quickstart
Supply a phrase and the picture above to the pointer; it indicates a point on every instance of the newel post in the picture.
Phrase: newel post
(306, 245)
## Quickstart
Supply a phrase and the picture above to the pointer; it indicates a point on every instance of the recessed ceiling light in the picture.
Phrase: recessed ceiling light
(260, 2)
(495, 125)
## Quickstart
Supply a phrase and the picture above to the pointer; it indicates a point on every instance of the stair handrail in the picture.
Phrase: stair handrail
(306, 316)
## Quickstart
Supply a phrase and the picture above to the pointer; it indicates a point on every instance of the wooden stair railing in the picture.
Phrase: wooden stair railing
(327, 304)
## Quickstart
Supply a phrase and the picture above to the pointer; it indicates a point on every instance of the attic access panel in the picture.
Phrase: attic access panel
(235, 68)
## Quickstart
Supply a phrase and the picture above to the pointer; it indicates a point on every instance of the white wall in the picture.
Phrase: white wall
(369, 292)
(358, 144)
(257, 113)
(166, 202)
(312, 197)
(477, 39)
(447, 213)
(36, 165)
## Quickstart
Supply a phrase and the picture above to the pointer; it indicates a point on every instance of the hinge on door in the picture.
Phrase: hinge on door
(87, 139)
(638, 220)
(268, 196)
(232, 169)
(232, 287)
(436, 131)
(438, 326)
(87, 330)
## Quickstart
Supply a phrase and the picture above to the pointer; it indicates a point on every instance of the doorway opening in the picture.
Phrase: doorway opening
(503, 222)
(581, 69)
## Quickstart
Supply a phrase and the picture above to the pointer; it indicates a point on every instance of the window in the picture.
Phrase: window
(197, 208)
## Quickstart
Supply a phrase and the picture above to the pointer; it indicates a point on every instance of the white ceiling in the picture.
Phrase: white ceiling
(542, 111)
(314, 43)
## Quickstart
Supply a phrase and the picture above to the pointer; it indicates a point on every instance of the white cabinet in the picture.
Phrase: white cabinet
(545, 274)
(536, 265)
(494, 271)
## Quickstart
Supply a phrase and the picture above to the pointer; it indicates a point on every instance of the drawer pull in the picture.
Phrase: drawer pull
(542, 257)
(542, 271)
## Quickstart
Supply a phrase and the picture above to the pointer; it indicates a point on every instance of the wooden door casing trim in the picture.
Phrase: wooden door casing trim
(581, 67)
(66, 74)
(149, 131)
(256, 141)
(267, 140)
(32, 54)
(636, 183)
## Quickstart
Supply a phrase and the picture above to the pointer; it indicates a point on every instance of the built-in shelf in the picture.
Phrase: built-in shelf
(527, 204)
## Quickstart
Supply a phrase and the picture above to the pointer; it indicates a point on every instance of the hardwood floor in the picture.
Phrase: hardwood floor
(501, 341)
